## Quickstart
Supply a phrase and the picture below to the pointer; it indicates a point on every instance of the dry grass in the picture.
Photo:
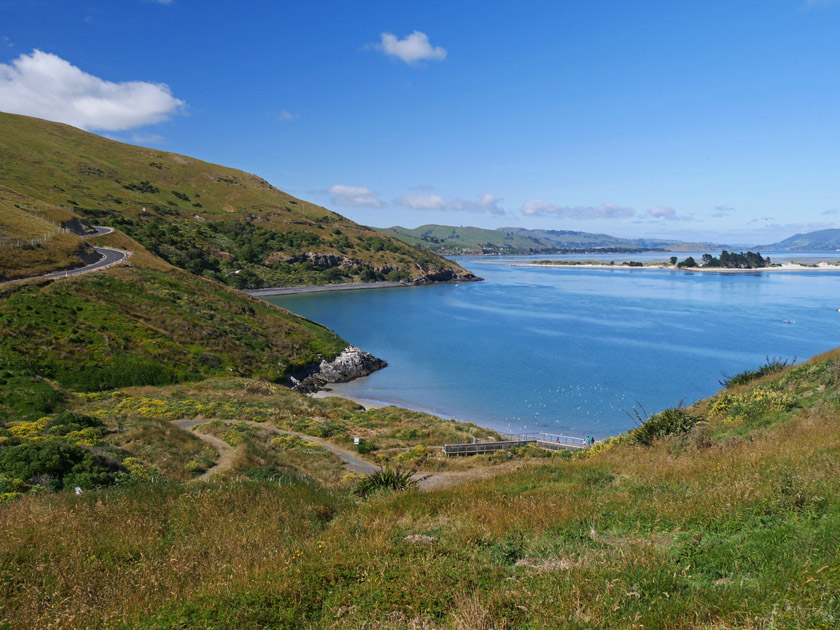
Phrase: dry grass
(58, 253)
(99, 558)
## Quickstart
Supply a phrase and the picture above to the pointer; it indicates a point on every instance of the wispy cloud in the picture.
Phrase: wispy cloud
(662, 212)
(811, 4)
(46, 86)
(411, 49)
(286, 116)
(538, 207)
(487, 204)
(667, 213)
(832, 212)
(354, 196)
(722, 211)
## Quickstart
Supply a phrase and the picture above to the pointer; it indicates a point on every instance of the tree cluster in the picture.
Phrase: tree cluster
(727, 260)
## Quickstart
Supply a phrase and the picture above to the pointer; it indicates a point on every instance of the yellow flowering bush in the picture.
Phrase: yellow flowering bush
(741, 406)
(415, 452)
(28, 430)
(601, 447)
(292, 441)
(136, 468)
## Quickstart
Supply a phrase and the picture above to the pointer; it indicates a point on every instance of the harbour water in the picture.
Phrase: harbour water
(574, 350)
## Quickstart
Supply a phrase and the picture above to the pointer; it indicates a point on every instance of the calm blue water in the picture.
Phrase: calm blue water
(568, 350)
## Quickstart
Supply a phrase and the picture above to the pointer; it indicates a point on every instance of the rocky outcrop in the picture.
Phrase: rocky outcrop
(78, 226)
(351, 363)
(448, 275)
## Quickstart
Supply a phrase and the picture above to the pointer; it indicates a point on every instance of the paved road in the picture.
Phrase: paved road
(108, 257)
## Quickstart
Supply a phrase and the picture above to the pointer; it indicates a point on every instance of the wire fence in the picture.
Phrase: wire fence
(33, 209)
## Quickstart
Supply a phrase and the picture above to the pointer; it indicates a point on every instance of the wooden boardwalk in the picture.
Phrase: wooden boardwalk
(543, 440)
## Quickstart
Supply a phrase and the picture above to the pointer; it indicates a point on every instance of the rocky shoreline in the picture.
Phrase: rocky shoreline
(350, 364)
(318, 288)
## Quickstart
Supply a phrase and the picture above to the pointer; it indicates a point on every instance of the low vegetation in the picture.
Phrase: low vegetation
(723, 514)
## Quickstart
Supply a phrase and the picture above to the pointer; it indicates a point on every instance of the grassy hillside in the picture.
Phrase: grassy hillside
(724, 515)
(32, 244)
(141, 323)
(214, 221)
(450, 240)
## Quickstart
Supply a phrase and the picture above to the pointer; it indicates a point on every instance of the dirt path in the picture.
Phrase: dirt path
(225, 450)
(427, 481)
(353, 462)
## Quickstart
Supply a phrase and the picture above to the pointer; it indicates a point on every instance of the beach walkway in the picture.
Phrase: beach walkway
(543, 440)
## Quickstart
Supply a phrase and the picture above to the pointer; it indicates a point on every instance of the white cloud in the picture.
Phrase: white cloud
(662, 212)
(487, 204)
(667, 213)
(354, 196)
(46, 86)
(538, 207)
(286, 116)
(411, 49)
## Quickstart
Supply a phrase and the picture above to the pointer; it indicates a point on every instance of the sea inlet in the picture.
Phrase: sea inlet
(575, 351)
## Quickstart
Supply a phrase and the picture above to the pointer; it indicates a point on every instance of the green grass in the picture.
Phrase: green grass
(136, 326)
(698, 529)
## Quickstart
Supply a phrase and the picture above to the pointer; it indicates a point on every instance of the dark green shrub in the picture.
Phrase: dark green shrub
(365, 446)
(770, 367)
(69, 422)
(668, 422)
(56, 464)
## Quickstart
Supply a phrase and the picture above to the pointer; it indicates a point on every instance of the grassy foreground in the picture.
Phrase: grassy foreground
(725, 515)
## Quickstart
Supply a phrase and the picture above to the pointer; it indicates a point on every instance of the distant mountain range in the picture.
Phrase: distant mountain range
(451, 240)
(819, 241)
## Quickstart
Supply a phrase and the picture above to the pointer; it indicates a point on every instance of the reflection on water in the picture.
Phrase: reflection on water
(572, 350)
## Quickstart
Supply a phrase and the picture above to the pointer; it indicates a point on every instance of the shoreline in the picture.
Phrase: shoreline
(795, 267)
(321, 288)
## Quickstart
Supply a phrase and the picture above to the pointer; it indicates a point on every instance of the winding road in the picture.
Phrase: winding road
(108, 257)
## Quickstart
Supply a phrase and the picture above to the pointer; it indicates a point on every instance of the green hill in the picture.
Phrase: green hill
(450, 240)
(821, 240)
(215, 221)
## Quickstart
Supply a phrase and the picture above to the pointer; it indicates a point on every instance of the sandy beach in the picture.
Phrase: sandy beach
(789, 266)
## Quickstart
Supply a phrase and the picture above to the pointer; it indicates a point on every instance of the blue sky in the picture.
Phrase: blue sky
(694, 120)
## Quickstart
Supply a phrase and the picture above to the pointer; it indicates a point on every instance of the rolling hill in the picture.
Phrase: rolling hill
(821, 240)
(214, 221)
(451, 240)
